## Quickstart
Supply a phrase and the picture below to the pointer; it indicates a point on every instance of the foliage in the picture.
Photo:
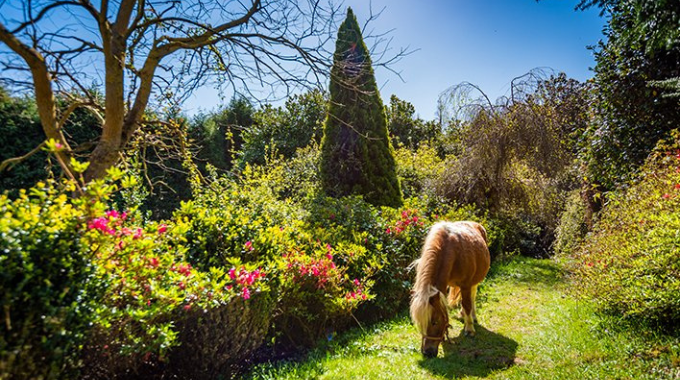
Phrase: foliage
(418, 170)
(630, 265)
(283, 130)
(407, 130)
(219, 135)
(632, 113)
(49, 284)
(21, 133)
(572, 228)
(517, 157)
(356, 154)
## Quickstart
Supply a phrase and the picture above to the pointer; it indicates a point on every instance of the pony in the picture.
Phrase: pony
(455, 255)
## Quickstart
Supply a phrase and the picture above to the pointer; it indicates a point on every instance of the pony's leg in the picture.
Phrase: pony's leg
(473, 292)
(466, 295)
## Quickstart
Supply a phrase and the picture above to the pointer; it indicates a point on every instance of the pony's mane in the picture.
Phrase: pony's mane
(426, 278)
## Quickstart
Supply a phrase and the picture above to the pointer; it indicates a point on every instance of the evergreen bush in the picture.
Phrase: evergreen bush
(356, 154)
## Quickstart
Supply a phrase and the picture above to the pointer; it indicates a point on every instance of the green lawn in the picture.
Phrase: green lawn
(529, 328)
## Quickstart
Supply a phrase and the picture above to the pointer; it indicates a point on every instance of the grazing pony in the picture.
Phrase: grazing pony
(455, 255)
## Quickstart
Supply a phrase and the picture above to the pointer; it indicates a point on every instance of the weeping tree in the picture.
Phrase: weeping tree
(357, 156)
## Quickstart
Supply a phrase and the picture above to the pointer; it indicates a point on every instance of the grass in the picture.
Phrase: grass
(529, 328)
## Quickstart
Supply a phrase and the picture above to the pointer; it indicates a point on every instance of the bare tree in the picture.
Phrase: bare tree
(133, 49)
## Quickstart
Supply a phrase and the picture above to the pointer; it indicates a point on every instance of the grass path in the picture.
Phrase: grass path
(529, 328)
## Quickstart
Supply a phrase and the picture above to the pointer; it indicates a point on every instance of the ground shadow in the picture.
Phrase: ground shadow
(477, 356)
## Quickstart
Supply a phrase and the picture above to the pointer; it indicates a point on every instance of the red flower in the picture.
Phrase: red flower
(677, 186)
(245, 293)
(388, 231)
(162, 228)
(154, 262)
(182, 285)
(666, 196)
(187, 307)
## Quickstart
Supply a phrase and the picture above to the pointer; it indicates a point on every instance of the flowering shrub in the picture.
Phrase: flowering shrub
(631, 266)
(192, 297)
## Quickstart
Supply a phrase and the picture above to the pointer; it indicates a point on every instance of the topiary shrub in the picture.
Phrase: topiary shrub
(356, 154)
(630, 266)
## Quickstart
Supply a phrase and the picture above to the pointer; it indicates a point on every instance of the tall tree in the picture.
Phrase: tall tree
(138, 47)
(356, 154)
(638, 80)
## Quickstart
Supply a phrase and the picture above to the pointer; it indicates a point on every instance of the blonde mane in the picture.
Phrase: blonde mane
(426, 281)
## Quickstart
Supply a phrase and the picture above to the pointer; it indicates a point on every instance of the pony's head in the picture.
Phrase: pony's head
(429, 314)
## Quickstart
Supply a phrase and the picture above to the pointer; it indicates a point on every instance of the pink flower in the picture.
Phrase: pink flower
(356, 282)
(666, 196)
(388, 231)
(126, 231)
(245, 293)
(315, 270)
(182, 285)
(138, 233)
(232, 273)
(154, 262)
(58, 146)
(162, 228)
(184, 269)
(329, 256)
(187, 307)
(112, 214)
(100, 224)
(249, 246)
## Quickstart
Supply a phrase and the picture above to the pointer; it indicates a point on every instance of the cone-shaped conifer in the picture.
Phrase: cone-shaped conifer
(356, 152)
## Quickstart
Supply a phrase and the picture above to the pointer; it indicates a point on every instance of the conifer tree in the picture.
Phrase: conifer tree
(357, 157)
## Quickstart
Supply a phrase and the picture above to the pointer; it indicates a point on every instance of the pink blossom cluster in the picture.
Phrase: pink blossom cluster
(245, 278)
(318, 269)
(357, 293)
(183, 269)
(106, 224)
(408, 218)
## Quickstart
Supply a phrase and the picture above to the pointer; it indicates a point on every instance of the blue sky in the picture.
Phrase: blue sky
(485, 42)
